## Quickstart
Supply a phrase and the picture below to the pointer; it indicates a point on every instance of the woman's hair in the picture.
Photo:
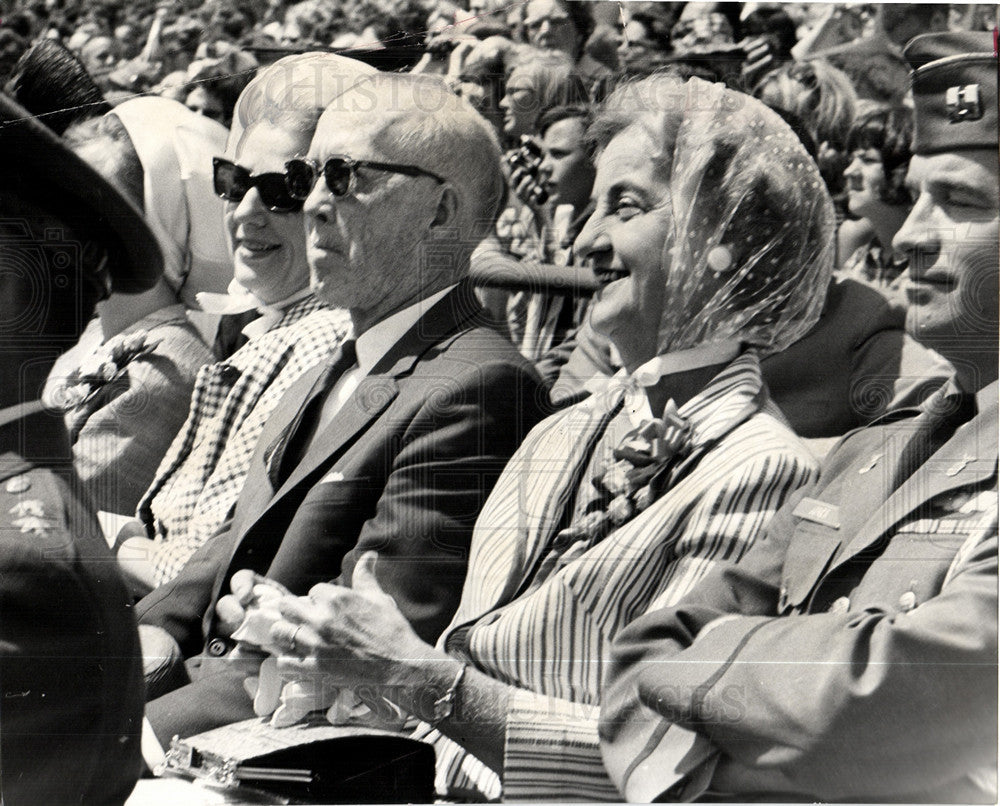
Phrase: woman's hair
(553, 78)
(751, 246)
(819, 94)
(303, 84)
(52, 83)
(658, 20)
(772, 22)
(105, 144)
(889, 131)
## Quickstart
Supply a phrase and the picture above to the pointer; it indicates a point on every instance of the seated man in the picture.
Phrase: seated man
(852, 654)
(396, 443)
(70, 673)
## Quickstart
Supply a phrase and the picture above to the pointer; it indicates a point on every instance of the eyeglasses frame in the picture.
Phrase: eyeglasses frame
(352, 166)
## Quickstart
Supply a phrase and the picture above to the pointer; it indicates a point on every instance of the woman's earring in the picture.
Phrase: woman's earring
(719, 259)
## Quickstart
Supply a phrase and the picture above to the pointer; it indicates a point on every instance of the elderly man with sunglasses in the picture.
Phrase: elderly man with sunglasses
(394, 444)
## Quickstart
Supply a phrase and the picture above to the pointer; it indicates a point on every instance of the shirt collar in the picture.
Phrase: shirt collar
(987, 396)
(375, 342)
(726, 401)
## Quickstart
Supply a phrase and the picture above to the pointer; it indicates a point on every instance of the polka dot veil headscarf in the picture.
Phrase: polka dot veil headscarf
(751, 247)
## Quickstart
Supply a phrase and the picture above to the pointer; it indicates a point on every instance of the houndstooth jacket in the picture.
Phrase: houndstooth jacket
(198, 481)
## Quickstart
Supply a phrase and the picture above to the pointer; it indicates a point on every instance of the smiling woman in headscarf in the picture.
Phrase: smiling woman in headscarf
(712, 242)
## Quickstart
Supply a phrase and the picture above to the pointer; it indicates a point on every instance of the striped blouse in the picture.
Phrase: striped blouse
(550, 638)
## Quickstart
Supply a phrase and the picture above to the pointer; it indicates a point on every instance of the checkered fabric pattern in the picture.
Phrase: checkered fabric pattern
(199, 480)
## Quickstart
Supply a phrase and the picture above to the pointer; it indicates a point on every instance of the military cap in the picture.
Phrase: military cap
(954, 91)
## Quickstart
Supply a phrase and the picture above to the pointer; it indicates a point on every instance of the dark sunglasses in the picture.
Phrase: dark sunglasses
(232, 182)
(338, 172)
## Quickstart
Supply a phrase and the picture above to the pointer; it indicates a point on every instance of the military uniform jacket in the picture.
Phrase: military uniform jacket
(861, 659)
(70, 664)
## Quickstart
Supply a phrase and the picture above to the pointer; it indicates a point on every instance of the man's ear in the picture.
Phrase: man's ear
(446, 214)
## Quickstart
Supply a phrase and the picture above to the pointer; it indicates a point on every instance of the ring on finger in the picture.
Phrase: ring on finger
(292, 639)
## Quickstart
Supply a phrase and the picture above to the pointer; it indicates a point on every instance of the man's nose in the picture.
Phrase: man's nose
(919, 237)
(317, 203)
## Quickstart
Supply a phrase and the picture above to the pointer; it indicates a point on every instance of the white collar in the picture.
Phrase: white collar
(704, 355)
(375, 342)
(238, 299)
(606, 391)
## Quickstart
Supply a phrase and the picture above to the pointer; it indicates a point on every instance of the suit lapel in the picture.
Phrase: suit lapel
(313, 383)
(380, 387)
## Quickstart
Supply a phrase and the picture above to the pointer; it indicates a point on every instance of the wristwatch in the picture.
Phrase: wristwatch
(444, 705)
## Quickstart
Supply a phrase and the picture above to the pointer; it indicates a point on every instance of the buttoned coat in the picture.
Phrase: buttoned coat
(403, 469)
(861, 663)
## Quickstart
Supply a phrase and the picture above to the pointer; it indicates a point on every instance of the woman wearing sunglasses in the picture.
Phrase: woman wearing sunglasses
(199, 479)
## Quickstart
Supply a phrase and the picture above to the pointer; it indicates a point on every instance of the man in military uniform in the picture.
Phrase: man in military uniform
(70, 663)
(852, 654)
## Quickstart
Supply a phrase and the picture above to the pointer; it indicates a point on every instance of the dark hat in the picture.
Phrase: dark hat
(954, 91)
(36, 165)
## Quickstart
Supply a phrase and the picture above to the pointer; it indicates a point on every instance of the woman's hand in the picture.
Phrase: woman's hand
(357, 636)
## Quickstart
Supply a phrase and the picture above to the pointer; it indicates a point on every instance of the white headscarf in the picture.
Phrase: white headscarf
(175, 147)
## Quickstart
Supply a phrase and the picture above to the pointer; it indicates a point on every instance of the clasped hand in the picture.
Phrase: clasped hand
(334, 649)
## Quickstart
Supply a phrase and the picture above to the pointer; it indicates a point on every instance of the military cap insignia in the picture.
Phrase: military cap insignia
(20, 483)
(963, 103)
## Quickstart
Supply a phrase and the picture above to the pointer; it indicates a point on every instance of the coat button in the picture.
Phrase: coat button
(841, 605)
(907, 601)
(229, 373)
(217, 647)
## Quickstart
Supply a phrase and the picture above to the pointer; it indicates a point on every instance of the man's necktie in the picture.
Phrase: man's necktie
(945, 414)
(292, 443)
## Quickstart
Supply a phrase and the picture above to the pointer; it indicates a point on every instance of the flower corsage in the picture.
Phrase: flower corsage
(638, 476)
(104, 366)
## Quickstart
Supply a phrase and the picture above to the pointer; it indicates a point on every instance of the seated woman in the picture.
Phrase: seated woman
(125, 387)
(712, 242)
(878, 146)
(198, 481)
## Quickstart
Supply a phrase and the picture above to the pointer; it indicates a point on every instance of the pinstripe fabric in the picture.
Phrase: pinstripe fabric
(199, 480)
(552, 637)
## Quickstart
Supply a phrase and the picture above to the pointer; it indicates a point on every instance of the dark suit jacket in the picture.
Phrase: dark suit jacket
(70, 664)
(863, 662)
(403, 468)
